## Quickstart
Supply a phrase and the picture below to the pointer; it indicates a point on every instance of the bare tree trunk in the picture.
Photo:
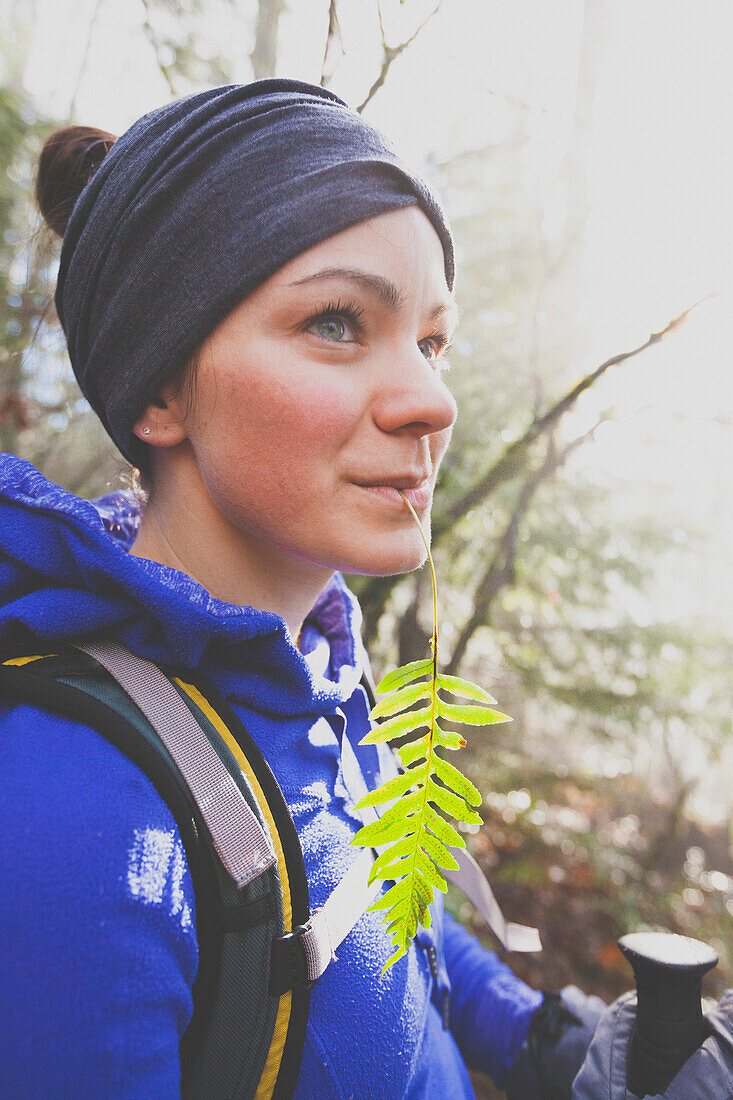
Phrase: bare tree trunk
(660, 856)
(15, 411)
(19, 28)
(264, 53)
(334, 48)
(412, 639)
(501, 570)
(591, 46)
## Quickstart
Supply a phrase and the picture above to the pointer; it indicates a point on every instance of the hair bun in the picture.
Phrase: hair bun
(68, 160)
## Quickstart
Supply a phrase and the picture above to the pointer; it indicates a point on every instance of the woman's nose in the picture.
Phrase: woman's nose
(415, 398)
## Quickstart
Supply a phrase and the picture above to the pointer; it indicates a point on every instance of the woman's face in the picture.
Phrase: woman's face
(322, 393)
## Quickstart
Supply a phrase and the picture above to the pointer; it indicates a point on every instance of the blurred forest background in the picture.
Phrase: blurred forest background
(583, 527)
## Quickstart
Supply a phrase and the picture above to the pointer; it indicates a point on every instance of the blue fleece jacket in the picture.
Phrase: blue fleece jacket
(98, 916)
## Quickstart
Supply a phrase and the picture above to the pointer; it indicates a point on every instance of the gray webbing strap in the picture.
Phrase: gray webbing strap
(331, 924)
(239, 838)
(471, 881)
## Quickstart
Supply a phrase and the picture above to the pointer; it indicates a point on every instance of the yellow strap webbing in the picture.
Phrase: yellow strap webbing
(282, 1020)
(26, 660)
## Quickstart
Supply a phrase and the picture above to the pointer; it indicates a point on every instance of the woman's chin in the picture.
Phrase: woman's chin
(386, 562)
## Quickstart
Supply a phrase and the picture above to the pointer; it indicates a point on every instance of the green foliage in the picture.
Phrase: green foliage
(413, 836)
(42, 415)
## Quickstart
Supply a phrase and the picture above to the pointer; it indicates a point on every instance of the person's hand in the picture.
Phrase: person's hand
(706, 1075)
(556, 1044)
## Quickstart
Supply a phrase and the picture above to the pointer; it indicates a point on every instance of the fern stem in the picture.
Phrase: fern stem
(434, 701)
(406, 830)
(434, 642)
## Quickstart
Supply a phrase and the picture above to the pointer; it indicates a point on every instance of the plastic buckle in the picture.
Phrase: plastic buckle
(289, 963)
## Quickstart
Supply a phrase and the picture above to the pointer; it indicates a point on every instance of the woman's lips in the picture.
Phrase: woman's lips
(419, 496)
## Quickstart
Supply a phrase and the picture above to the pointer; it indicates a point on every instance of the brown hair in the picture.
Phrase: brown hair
(68, 160)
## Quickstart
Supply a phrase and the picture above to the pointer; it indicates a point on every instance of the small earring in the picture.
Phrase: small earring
(146, 431)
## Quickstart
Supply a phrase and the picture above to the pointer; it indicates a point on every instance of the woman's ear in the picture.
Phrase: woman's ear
(162, 423)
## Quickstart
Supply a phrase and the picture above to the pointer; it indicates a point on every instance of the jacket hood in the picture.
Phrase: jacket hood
(65, 573)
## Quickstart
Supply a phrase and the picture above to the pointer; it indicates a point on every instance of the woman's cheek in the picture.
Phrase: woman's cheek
(314, 416)
(297, 392)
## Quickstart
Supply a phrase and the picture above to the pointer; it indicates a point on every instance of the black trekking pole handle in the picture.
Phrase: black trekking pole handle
(669, 1023)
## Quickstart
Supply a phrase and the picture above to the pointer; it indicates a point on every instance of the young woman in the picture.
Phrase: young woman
(257, 298)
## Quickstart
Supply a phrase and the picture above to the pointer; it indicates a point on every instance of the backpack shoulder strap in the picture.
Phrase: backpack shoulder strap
(237, 834)
(246, 1037)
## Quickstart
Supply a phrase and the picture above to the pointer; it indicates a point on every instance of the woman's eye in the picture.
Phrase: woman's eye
(428, 348)
(333, 328)
(435, 348)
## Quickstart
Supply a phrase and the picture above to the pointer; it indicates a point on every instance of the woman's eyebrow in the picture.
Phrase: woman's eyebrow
(387, 293)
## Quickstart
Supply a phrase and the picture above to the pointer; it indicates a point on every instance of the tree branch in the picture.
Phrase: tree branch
(85, 57)
(152, 38)
(515, 455)
(391, 53)
(374, 594)
(410, 635)
(333, 41)
(501, 569)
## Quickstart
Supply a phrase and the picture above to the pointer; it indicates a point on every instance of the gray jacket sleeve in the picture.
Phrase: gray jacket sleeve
(706, 1075)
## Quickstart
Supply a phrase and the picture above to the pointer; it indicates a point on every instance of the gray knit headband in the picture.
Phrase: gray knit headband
(193, 207)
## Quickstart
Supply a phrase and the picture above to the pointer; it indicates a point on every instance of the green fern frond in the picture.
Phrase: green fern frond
(413, 837)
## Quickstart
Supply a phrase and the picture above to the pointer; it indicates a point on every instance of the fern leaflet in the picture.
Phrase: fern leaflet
(412, 834)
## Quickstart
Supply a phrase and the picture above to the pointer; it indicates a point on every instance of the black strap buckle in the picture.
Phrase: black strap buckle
(289, 962)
